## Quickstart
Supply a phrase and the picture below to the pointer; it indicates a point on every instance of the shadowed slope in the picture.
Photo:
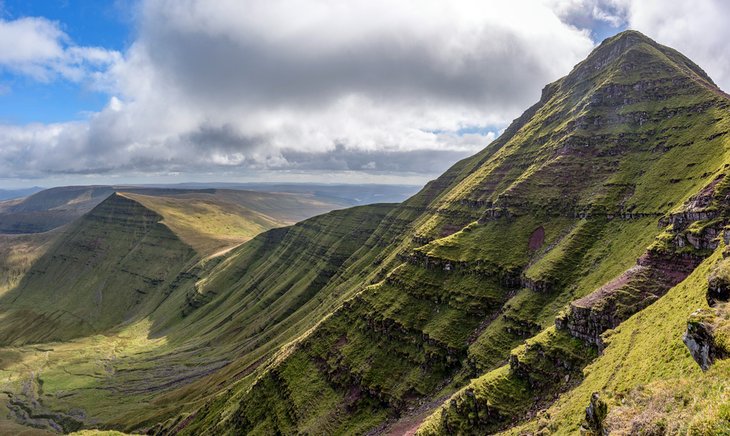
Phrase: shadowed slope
(18, 253)
(50, 208)
(106, 269)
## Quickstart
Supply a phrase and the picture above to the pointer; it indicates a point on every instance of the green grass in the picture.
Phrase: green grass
(645, 361)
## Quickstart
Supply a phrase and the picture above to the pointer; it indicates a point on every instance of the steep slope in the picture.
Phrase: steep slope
(564, 201)
(50, 208)
(106, 269)
(18, 253)
(534, 372)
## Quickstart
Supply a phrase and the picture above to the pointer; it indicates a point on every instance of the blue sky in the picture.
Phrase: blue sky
(93, 23)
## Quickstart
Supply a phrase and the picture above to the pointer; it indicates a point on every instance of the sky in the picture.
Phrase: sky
(362, 91)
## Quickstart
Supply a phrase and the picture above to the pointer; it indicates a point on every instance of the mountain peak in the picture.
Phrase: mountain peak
(634, 47)
(618, 45)
(628, 38)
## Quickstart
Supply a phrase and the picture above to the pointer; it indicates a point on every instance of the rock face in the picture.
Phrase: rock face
(596, 413)
(704, 337)
(654, 274)
(707, 329)
(718, 289)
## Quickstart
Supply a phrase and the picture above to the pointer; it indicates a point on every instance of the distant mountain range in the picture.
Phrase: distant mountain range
(353, 194)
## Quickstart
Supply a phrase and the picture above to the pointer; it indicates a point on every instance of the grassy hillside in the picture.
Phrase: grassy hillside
(107, 268)
(213, 315)
(563, 260)
(217, 220)
(647, 376)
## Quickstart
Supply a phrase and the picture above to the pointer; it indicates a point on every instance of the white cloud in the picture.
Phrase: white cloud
(37, 47)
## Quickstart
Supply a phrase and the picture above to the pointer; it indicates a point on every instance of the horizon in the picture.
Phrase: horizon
(227, 183)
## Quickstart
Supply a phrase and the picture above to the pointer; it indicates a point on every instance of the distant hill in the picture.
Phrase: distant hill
(51, 208)
(351, 194)
(10, 194)
(214, 220)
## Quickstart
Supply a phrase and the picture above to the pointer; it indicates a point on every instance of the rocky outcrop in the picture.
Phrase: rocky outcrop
(706, 337)
(655, 273)
(707, 329)
(508, 277)
(596, 413)
(548, 364)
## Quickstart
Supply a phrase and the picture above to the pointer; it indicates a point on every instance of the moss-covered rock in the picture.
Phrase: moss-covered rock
(596, 413)
(707, 336)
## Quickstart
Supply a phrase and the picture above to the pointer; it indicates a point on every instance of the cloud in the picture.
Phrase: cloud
(371, 86)
(271, 53)
(587, 14)
(319, 87)
(37, 47)
(424, 161)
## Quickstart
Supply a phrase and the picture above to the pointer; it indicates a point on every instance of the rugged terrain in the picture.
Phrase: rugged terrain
(569, 277)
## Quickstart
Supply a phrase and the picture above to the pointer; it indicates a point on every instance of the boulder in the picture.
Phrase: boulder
(596, 413)
(705, 337)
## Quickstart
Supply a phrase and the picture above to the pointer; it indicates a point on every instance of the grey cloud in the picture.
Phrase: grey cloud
(225, 138)
(216, 69)
(342, 159)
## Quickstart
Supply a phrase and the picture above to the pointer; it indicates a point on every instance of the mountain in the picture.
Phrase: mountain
(55, 207)
(44, 210)
(570, 277)
(50, 208)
